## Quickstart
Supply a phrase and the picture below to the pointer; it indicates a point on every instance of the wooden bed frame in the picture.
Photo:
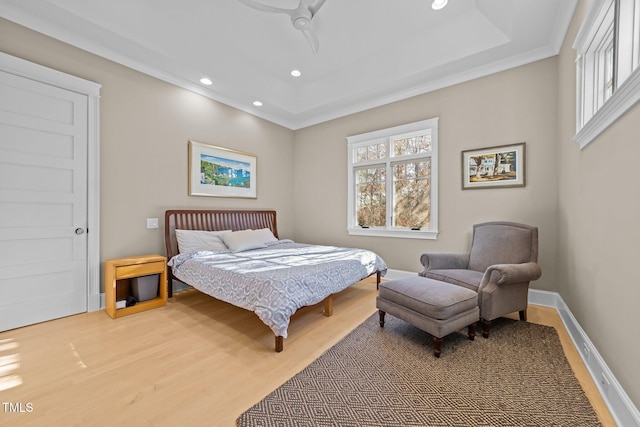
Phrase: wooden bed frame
(211, 220)
(216, 220)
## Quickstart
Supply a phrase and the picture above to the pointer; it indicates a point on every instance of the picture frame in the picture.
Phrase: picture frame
(221, 172)
(494, 167)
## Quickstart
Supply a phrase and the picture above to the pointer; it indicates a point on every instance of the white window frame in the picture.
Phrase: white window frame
(636, 35)
(607, 20)
(387, 136)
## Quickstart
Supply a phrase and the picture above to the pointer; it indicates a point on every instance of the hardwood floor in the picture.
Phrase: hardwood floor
(195, 362)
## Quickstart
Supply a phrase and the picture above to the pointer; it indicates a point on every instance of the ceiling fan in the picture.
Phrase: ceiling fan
(301, 17)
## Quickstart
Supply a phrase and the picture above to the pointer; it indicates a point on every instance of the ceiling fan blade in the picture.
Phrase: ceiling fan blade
(265, 8)
(314, 5)
(300, 17)
(312, 39)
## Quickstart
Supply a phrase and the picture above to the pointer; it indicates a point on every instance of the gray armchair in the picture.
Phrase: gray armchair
(502, 261)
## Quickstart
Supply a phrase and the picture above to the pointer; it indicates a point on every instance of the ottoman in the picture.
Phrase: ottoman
(436, 307)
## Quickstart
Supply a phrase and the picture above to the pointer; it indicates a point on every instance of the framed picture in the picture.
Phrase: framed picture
(501, 166)
(221, 172)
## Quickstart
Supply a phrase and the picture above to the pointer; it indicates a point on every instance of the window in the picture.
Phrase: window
(608, 76)
(393, 181)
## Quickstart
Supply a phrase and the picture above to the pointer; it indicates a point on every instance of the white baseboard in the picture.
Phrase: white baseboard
(622, 409)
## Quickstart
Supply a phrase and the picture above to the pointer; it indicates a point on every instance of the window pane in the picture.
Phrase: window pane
(608, 73)
(413, 145)
(361, 154)
(412, 194)
(370, 152)
(373, 152)
(382, 150)
(371, 204)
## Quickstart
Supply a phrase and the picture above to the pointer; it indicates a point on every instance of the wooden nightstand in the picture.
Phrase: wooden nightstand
(118, 273)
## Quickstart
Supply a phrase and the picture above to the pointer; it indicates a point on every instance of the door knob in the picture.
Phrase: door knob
(79, 231)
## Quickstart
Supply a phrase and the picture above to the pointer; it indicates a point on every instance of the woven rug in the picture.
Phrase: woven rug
(389, 377)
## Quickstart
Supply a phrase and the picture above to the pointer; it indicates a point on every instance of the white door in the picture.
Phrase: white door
(43, 202)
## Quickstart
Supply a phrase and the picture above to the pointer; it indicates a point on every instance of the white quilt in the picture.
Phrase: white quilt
(277, 280)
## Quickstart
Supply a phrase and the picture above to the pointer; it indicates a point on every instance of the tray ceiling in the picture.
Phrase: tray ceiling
(372, 52)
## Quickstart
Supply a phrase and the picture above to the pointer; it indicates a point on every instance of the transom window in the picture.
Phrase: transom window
(608, 54)
(393, 181)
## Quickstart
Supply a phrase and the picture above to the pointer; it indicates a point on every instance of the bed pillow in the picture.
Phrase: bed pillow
(266, 235)
(245, 240)
(199, 240)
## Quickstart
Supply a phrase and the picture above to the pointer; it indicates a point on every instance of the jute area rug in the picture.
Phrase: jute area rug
(389, 377)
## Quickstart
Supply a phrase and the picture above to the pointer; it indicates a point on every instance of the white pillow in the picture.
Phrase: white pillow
(245, 240)
(266, 235)
(199, 240)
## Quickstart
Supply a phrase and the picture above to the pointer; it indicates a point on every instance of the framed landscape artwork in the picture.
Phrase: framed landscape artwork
(221, 172)
(500, 166)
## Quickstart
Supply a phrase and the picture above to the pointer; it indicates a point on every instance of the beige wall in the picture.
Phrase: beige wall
(145, 125)
(599, 235)
(513, 106)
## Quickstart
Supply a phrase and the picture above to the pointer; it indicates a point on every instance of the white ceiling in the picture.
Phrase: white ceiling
(372, 52)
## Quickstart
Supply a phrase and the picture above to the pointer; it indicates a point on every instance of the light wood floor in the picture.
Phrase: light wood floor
(195, 362)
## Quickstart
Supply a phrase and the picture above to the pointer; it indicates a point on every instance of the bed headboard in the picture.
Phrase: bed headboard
(214, 220)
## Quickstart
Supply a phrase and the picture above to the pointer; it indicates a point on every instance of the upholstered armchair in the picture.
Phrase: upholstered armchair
(502, 261)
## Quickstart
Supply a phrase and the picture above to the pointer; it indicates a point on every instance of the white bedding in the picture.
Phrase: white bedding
(278, 279)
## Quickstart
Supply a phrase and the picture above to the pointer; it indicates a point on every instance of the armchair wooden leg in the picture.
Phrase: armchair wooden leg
(381, 314)
(472, 331)
(437, 346)
(486, 327)
(523, 315)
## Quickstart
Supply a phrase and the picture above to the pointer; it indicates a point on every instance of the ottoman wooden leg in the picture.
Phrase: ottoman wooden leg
(472, 331)
(437, 346)
(381, 314)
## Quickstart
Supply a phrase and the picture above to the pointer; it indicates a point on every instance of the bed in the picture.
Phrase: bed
(244, 263)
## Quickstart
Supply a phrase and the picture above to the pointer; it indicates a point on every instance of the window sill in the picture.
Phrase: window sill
(402, 234)
(625, 97)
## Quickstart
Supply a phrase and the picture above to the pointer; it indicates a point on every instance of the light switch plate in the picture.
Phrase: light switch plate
(152, 222)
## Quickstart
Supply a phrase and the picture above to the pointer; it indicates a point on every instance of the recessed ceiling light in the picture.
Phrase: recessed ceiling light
(296, 73)
(206, 81)
(257, 103)
(439, 4)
